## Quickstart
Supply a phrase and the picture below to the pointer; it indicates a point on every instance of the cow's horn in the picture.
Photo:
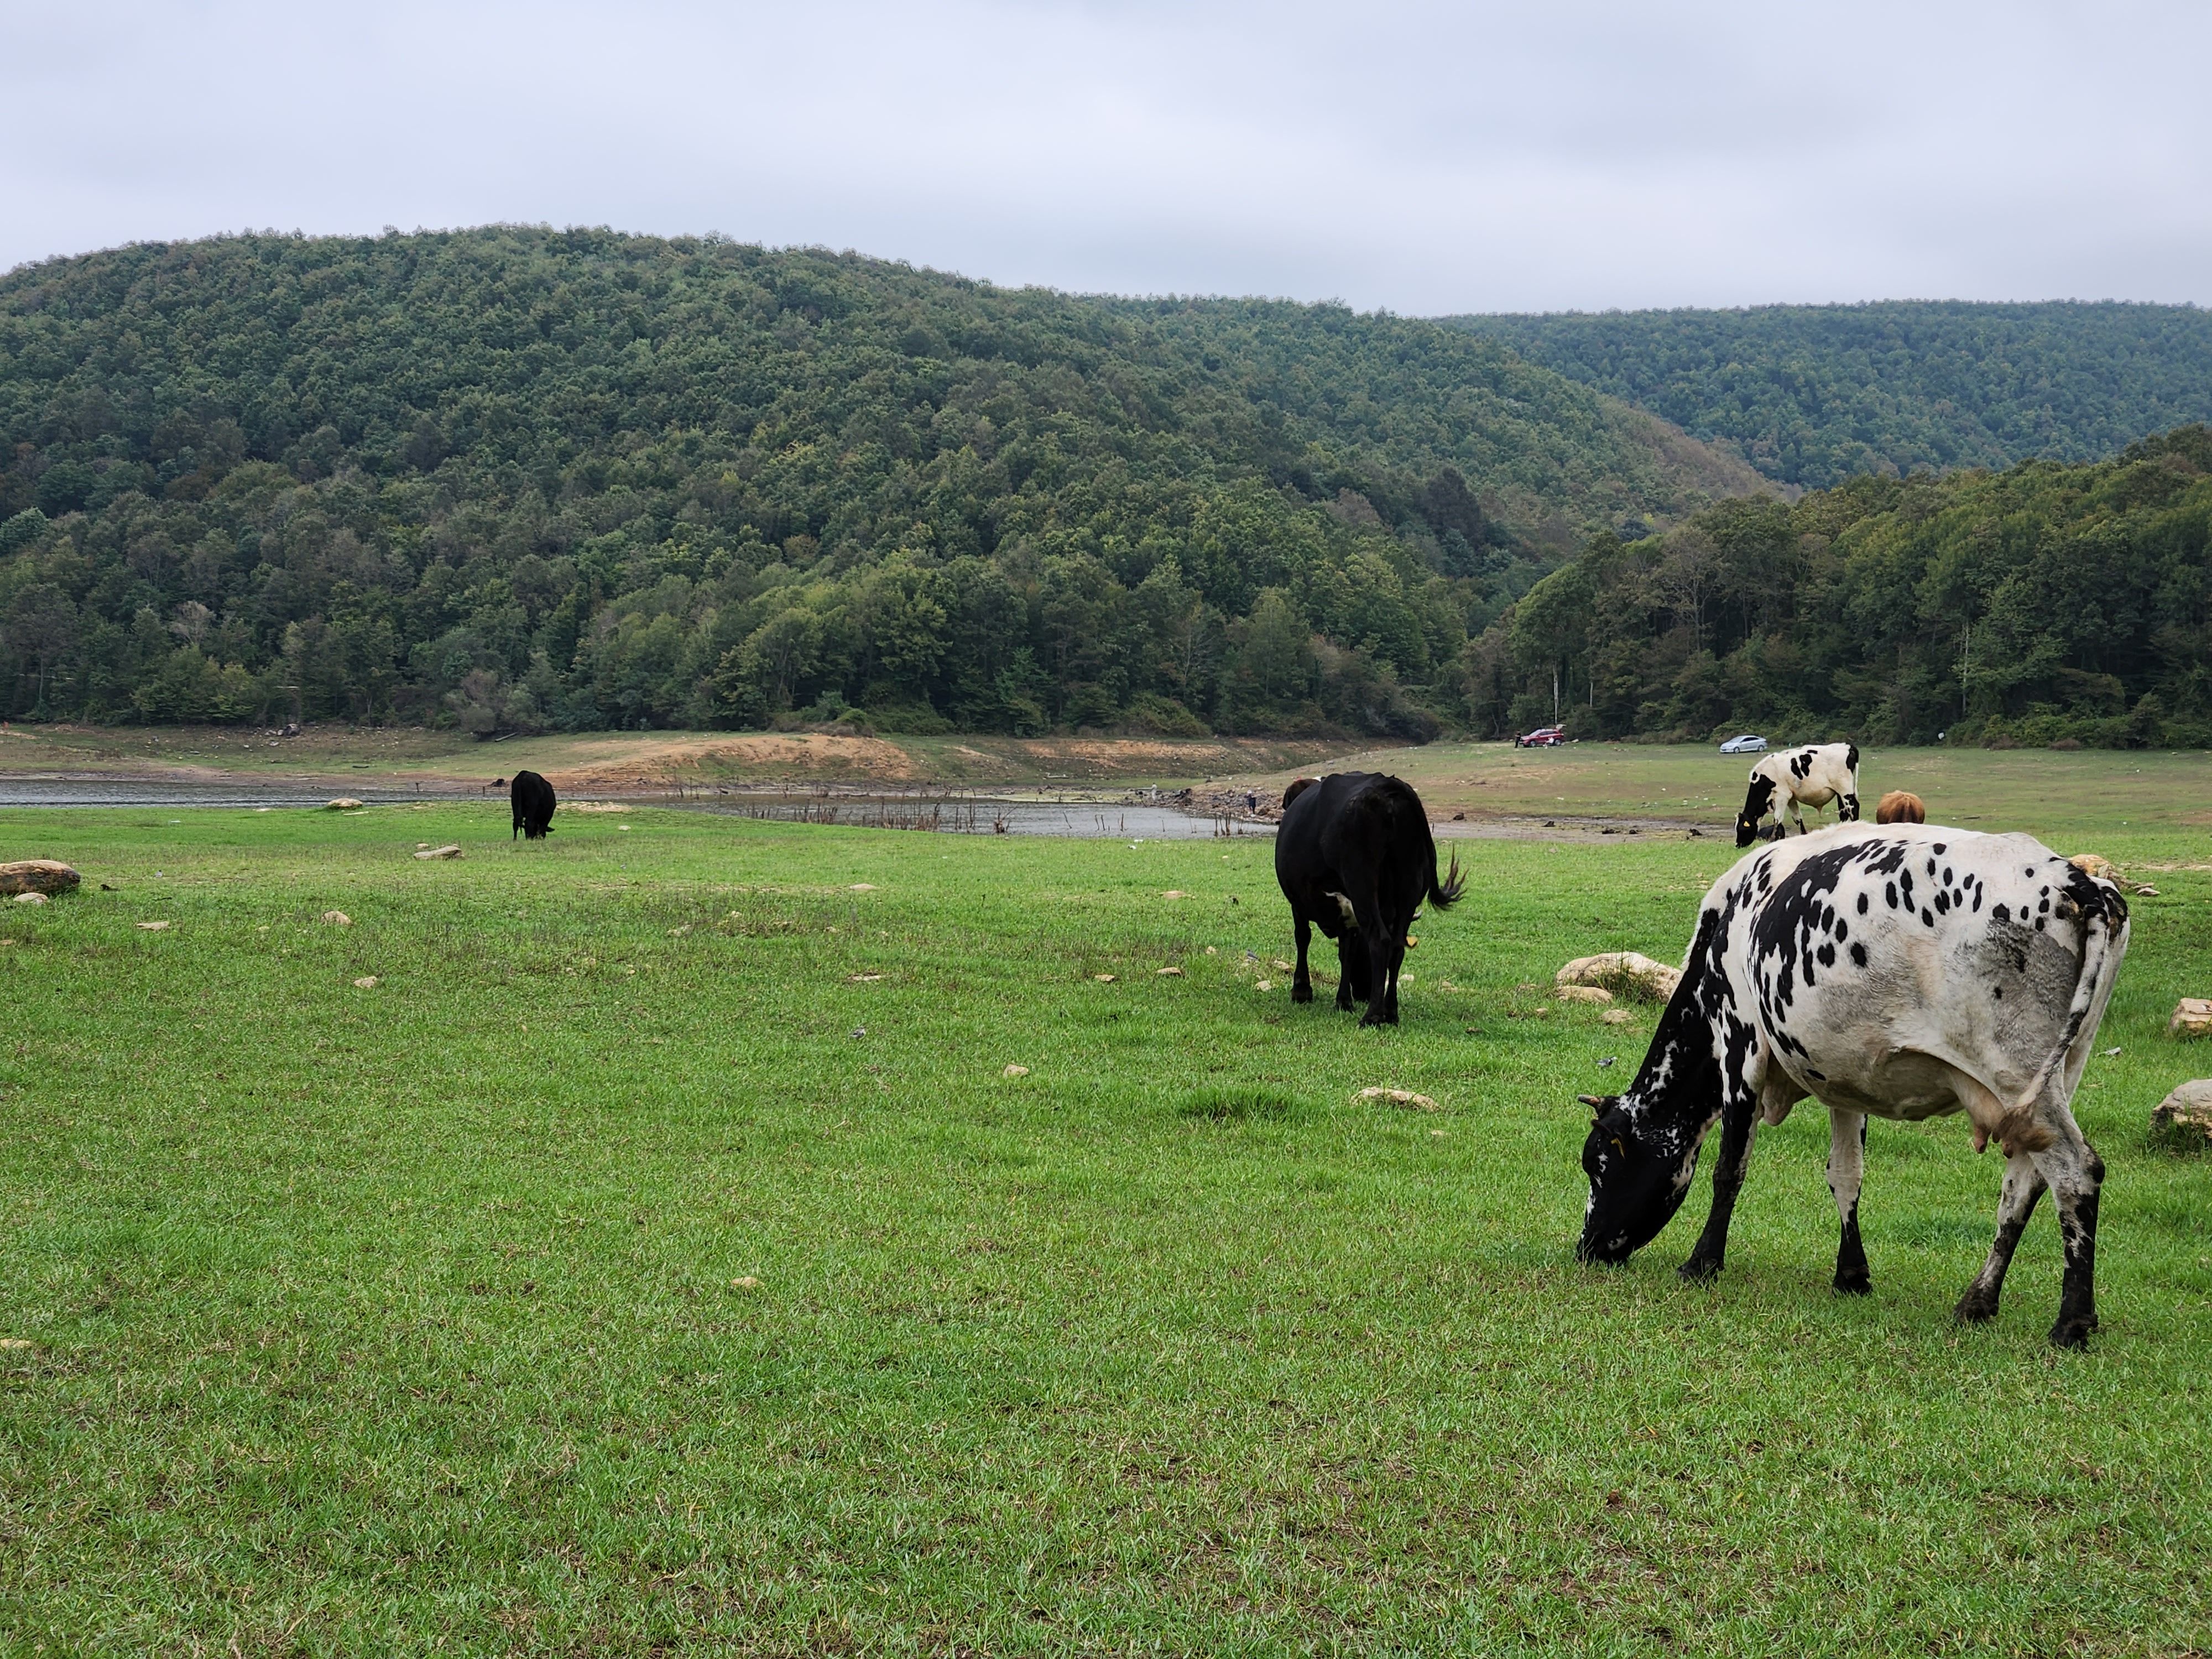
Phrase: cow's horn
(1592, 1102)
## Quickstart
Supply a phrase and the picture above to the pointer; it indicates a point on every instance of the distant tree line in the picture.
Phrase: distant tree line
(1814, 395)
(2047, 604)
(519, 479)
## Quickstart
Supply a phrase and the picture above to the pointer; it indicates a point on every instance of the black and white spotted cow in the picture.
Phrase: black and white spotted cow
(1792, 779)
(1902, 971)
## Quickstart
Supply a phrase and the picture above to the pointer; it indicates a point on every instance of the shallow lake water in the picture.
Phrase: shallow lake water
(1096, 819)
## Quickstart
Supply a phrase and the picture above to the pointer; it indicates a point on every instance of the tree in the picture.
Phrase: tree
(41, 628)
(1685, 579)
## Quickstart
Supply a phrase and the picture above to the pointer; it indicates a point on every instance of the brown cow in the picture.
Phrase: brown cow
(1898, 807)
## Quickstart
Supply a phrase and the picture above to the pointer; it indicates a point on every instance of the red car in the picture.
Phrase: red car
(1544, 737)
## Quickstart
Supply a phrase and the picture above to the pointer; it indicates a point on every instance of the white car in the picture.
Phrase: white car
(1746, 744)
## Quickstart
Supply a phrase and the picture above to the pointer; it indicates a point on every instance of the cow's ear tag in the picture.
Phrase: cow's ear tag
(1617, 1147)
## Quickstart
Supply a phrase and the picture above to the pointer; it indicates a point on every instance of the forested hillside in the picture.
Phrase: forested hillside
(519, 478)
(2048, 603)
(1813, 395)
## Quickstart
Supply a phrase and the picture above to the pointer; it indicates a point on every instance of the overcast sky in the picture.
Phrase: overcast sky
(1427, 158)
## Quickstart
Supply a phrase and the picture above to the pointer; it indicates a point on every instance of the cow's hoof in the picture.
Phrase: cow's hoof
(2073, 1333)
(1977, 1306)
(1700, 1269)
(1859, 1284)
(1371, 1018)
(1302, 994)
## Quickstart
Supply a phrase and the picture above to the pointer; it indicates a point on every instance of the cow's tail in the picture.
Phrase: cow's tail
(2104, 933)
(1449, 892)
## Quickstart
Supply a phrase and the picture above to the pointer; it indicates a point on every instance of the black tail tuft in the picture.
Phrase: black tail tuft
(1448, 892)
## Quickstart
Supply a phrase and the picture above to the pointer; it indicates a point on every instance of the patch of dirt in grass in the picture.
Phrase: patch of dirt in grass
(653, 762)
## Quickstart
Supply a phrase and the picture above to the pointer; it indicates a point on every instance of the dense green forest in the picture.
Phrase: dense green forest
(519, 478)
(2047, 604)
(1814, 395)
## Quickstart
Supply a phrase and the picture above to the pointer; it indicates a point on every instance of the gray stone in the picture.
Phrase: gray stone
(2186, 1114)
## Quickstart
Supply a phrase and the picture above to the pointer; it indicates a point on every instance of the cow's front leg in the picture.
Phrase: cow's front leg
(2023, 1185)
(2075, 1174)
(1738, 1118)
(1846, 1169)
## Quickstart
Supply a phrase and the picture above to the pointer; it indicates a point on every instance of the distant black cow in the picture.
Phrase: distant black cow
(533, 801)
(1356, 858)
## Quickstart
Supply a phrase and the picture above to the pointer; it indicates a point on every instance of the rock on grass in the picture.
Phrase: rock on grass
(37, 875)
(1401, 1097)
(2184, 1117)
(1624, 973)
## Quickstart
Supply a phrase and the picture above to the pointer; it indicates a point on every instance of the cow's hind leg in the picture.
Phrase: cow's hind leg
(1382, 967)
(1738, 1119)
(2023, 1185)
(1397, 962)
(1846, 1168)
(2075, 1174)
(1301, 983)
(1351, 970)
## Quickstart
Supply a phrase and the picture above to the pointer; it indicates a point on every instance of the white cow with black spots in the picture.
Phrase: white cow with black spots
(1791, 779)
(1902, 971)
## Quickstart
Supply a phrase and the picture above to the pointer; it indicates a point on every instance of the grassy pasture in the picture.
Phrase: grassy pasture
(377, 1320)
(2070, 799)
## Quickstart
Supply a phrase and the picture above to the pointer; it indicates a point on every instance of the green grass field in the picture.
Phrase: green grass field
(621, 1272)
(2064, 798)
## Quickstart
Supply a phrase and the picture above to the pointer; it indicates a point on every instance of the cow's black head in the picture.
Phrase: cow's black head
(1755, 802)
(1635, 1189)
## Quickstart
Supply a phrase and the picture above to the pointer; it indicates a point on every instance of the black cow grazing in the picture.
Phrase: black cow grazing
(533, 801)
(1904, 972)
(1356, 858)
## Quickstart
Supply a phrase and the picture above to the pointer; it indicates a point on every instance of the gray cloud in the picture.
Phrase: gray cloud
(1427, 158)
